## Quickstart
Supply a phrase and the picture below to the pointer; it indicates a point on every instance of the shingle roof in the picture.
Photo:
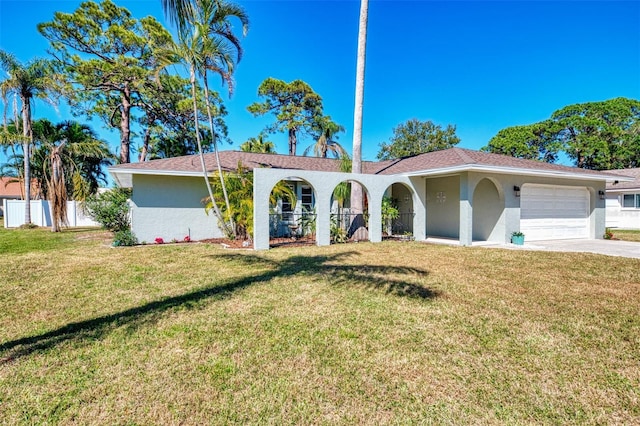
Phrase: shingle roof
(635, 173)
(461, 156)
(453, 157)
(229, 162)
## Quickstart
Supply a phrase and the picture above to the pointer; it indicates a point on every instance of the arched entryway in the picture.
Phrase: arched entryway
(292, 213)
(488, 212)
(397, 211)
(346, 223)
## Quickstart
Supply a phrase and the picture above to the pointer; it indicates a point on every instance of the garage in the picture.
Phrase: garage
(551, 212)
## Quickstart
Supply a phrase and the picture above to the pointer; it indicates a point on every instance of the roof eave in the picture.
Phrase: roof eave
(124, 177)
(517, 171)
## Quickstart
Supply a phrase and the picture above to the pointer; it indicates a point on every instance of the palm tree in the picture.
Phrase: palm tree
(71, 158)
(326, 130)
(357, 202)
(179, 12)
(189, 50)
(209, 45)
(28, 81)
(211, 21)
(258, 145)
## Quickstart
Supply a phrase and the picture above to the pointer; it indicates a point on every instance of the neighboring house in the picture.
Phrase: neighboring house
(13, 189)
(623, 201)
(456, 193)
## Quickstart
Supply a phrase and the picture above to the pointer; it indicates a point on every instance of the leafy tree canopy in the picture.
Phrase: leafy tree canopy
(295, 105)
(417, 137)
(108, 57)
(594, 135)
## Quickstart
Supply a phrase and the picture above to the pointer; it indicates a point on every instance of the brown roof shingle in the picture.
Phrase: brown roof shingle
(229, 162)
(423, 162)
(635, 173)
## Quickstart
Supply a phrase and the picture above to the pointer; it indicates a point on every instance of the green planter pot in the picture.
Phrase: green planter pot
(518, 240)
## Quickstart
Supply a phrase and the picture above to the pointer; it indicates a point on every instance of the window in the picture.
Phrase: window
(630, 201)
(287, 210)
(306, 198)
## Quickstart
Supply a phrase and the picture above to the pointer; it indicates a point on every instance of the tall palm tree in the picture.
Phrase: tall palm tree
(220, 45)
(189, 51)
(357, 200)
(179, 12)
(28, 81)
(206, 43)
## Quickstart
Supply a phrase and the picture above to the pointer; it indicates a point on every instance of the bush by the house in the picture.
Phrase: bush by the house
(111, 210)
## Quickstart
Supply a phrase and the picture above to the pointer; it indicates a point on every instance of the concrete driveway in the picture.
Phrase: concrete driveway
(606, 247)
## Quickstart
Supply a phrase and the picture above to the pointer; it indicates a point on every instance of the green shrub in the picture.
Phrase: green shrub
(124, 238)
(110, 209)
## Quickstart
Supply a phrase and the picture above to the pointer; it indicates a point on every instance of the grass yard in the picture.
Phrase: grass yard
(349, 334)
(626, 235)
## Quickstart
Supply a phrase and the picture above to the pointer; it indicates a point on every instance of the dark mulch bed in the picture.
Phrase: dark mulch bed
(292, 242)
(273, 243)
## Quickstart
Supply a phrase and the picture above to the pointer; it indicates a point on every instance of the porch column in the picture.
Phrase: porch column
(323, 214)
(375, 215)
(466, 211)
(261, 191)
(419, 195)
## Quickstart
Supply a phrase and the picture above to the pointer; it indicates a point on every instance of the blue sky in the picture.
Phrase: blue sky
(481, 66)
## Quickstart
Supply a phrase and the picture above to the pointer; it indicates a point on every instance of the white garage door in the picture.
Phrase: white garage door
(549, 212)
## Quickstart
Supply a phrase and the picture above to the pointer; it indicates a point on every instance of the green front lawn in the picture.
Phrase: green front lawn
(348, 334)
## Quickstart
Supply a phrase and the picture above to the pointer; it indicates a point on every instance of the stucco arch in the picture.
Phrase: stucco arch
(403, 196)
(324, 183)
(488, 211)
(342, 214)
(293, 219)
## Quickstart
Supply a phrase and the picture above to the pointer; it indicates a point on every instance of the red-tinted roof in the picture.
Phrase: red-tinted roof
(11, 187)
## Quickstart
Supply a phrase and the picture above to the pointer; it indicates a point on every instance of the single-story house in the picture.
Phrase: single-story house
(623, 200)
(456, 193)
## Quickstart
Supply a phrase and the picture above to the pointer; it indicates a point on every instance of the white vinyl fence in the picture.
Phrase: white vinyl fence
(41, 214)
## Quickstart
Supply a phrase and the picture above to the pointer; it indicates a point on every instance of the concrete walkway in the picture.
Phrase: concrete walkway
(606, 247)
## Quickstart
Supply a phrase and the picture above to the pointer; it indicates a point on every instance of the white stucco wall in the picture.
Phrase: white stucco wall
(170, 207)
(443, 207)
(488, 212)
(618, 217)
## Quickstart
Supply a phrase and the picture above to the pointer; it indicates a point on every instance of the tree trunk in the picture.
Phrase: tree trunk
(26, 148)
(142, 156)
(215, 150)
(57, 189)
(357, 202)
(293, 141)
(216, 210)
(125, 131)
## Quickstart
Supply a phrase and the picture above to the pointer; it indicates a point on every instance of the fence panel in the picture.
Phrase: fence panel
(41, 214)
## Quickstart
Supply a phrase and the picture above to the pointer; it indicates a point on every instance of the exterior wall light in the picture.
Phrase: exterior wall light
(516, 191)
(601, 194)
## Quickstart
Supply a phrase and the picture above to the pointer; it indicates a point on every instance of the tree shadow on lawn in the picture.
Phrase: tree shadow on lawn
(390, 279)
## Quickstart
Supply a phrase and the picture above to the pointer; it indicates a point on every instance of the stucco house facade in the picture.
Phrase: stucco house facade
(623, 200)
(460, 194)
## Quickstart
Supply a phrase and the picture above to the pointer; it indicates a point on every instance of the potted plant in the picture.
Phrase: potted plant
(517, 238)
